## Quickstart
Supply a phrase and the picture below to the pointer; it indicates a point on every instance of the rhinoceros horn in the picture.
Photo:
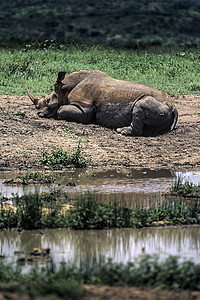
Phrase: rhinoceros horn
(33, 99)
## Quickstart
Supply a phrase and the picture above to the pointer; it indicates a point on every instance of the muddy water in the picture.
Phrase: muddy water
(121, 183)
(122, 245)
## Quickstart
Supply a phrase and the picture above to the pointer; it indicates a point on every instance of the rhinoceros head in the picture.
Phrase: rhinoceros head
(47, 105)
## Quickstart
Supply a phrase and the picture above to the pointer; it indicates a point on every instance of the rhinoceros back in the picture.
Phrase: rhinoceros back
(110, 99)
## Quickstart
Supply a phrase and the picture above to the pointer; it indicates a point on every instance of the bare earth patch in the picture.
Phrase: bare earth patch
(23, 137)
(118, 293)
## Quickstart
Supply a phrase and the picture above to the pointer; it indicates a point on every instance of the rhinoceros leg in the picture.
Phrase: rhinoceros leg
(149, 117)
(136, 126)
(75, 113)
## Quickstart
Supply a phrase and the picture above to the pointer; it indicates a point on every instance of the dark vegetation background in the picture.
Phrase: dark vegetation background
(129, 23)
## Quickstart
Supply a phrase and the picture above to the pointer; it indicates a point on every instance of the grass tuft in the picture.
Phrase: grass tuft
(61, 158)
(184, 188)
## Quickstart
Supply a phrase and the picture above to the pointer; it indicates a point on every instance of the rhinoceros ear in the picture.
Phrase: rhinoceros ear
(61, 76)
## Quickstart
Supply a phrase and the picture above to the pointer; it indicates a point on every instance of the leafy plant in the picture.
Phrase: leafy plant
(60, 157)
(91, 213)
(185, 188)
(147, 271)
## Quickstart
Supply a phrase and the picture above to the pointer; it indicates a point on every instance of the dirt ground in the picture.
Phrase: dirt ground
(123, 293)
(93, 292)
(23, 134)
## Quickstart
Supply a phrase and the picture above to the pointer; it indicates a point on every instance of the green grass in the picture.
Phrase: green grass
(55, 210)
(185, 188)
(35, 211)
(46, 284)
(11, 130)
(175, 72)
(90, 213)
(148, 271)
(17, 113)
(60, 158)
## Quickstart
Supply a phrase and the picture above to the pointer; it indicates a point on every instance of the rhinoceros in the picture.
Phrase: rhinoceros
(131, 108)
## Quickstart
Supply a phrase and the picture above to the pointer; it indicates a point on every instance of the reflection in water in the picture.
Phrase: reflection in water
(121, 183)
(121, 245)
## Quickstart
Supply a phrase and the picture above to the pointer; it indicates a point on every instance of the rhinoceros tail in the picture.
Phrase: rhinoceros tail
(175, 117)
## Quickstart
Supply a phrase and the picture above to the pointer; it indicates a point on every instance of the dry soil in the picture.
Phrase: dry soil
(23, 136)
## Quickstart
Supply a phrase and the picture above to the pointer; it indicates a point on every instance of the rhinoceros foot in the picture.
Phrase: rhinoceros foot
(125, 131)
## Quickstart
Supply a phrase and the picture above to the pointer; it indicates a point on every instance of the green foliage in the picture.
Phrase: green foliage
(68, 132)
(147, 271)
(53, 195)
(174, 71)
(36, 178)
(52, 210)
(60, 157)
(34, 211)
(7, 272)
(49, 283)
(61, 288)
(90, 213)
(130, 23)
(29, 211)
(185, 188)
(176, 212)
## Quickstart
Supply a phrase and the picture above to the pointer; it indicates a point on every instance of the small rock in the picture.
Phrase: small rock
(40, 251)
